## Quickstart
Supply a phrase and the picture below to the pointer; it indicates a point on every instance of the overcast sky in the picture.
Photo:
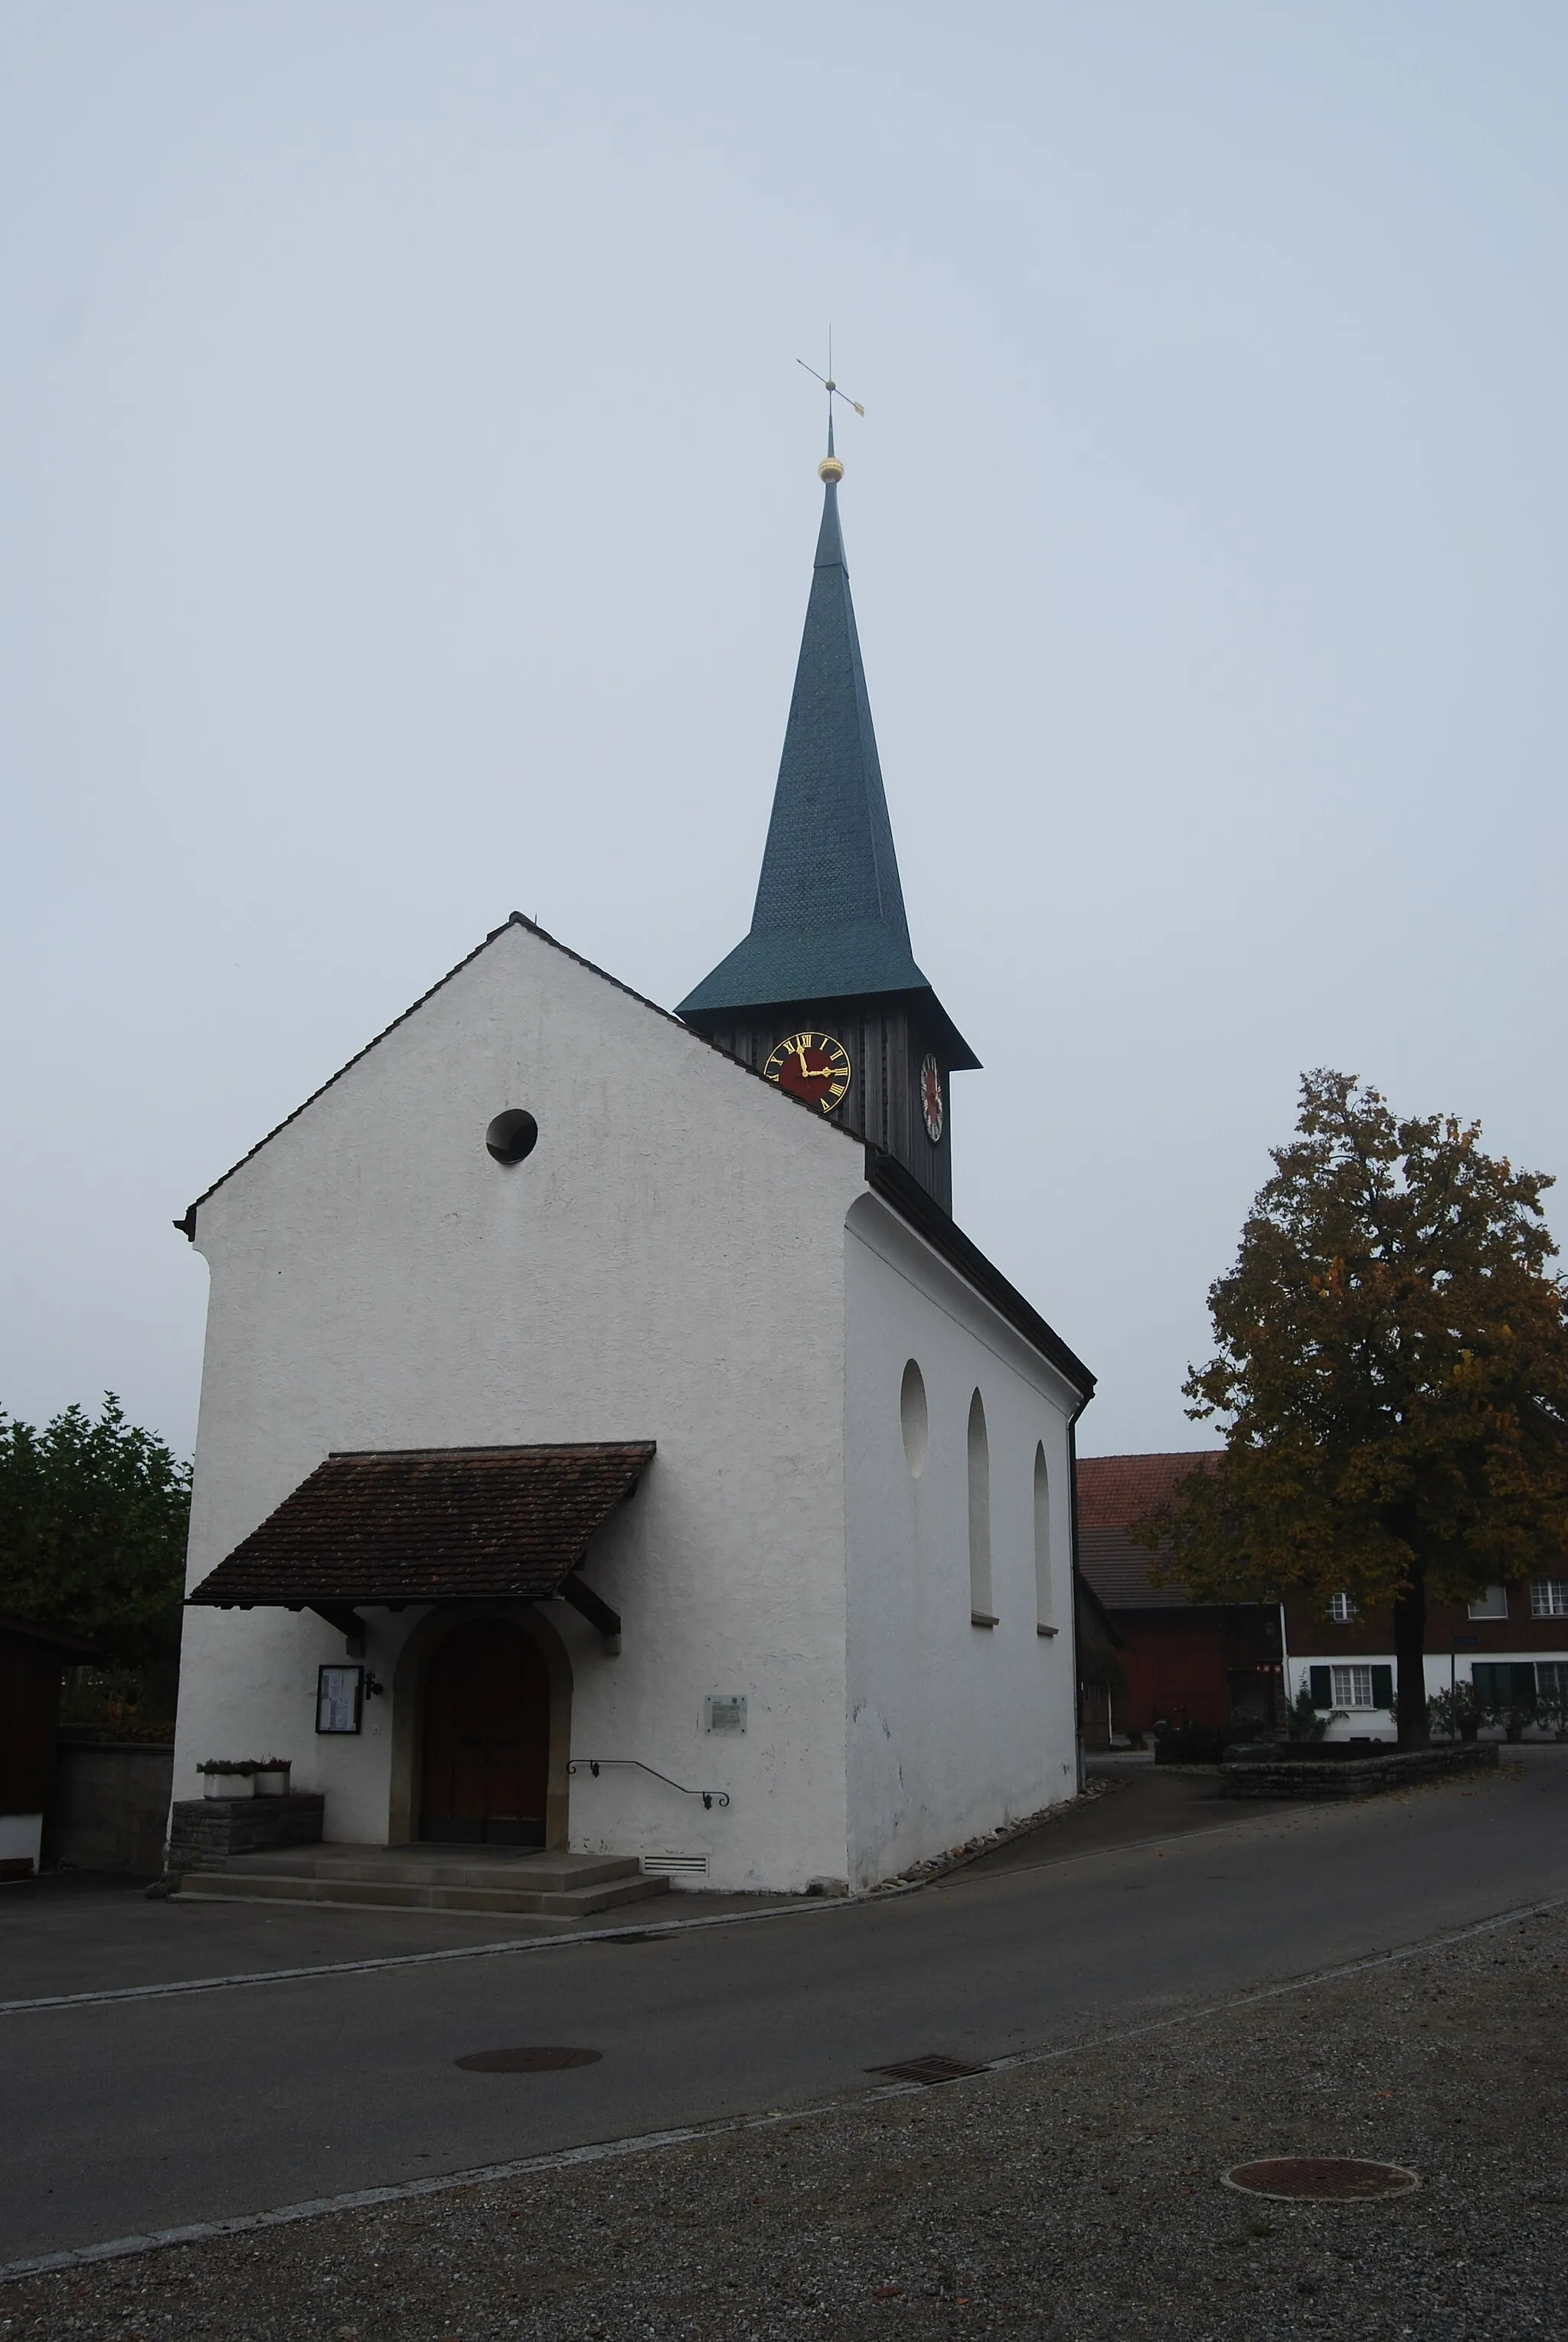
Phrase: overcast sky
(407, 496)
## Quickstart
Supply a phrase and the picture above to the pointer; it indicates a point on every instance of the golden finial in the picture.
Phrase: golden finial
(830, 470)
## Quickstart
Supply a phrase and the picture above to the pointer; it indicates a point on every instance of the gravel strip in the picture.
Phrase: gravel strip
(1078, 2198)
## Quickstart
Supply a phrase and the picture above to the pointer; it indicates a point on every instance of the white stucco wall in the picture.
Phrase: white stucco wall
(668, 1264)
(954, 1728)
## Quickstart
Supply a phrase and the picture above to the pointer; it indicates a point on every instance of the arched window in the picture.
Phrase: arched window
(914, 1419)
(979, 1610)
(1042, 1537)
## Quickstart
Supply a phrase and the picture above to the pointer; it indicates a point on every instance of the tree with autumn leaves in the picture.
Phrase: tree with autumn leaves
(1392, 1373)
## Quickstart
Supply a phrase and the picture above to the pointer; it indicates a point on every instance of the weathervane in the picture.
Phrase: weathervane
(830, 469)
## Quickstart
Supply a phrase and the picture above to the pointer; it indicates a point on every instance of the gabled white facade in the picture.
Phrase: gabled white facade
(688, 1257)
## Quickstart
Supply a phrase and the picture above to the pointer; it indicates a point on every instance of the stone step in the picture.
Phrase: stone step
(436, 1866)
(237, 1884)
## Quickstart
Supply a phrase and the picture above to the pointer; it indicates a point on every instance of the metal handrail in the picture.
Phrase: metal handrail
(709, 1797)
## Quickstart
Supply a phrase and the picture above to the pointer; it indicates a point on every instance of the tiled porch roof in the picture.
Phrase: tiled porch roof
(430, 1525)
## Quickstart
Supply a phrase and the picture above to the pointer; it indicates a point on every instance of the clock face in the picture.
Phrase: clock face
(811, 1066)
(931, 1104)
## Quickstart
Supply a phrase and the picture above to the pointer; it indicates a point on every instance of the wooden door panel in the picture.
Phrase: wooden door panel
(486, 1766)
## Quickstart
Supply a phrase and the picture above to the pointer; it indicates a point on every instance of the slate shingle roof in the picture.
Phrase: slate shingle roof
(829, 921)
(431, 1525)
(1114, 1491)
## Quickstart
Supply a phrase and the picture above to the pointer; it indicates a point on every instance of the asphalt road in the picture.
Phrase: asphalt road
(131, 2115)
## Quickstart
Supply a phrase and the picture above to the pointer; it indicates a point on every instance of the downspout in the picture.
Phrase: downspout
(1285, 1668)
(1073, 1540)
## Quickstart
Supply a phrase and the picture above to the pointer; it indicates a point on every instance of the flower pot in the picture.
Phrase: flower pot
(272, 1781)
(230, 1784)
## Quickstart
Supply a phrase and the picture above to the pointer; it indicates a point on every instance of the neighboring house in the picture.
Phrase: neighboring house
(1512, 1643)
(607, 1439)
(1215, 1664)
(30, 1659)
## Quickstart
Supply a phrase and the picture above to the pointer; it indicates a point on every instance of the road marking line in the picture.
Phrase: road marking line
(653, 2142)
(815, 1908)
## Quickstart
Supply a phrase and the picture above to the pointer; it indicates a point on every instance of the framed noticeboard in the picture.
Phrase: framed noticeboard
(339, 1699)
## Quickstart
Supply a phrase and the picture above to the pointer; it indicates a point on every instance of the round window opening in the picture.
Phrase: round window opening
(512, 1135)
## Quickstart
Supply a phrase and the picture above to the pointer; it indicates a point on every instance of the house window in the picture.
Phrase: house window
(1552, 1678)
(1548, 1597)
(1505, 1682)
(1493, 1604)
(1341, 1610)
(979, 1610)
(1365, 1688)
(1042, 1537)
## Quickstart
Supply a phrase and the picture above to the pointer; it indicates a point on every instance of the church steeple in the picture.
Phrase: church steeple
(829, 942)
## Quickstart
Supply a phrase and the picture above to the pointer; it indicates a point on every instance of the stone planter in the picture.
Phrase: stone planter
(205, 1833)
(229, 1785)
(272, 1781)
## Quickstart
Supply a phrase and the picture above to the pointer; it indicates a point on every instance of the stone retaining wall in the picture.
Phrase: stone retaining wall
(110, 1806)
(1262, 1773)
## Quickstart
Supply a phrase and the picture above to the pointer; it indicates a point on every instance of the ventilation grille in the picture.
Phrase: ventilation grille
(675, 1866)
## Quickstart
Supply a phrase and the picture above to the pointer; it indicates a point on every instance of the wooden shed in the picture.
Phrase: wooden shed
(31, 1658)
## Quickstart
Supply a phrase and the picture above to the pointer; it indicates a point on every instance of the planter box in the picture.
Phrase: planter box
(1309, 1769)
(272, 1781)
(228, 1785)
(205, 1833)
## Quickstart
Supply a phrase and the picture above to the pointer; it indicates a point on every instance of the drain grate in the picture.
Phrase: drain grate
(526, 2061)
(929, 2069)
(1321, 2179)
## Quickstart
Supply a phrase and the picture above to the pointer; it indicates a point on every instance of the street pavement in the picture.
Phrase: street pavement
(128, 2116)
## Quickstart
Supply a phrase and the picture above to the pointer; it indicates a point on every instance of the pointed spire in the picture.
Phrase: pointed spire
(829, 921)
(829, 859)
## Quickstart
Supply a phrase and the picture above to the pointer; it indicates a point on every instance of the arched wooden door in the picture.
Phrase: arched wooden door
(486, 1766)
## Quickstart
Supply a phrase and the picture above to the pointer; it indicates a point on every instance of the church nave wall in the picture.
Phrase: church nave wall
(955, 1726)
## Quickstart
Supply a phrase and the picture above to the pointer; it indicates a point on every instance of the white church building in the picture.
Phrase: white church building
(609, 1442)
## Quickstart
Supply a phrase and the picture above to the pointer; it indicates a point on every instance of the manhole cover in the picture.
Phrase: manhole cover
(526, 2061)
(1321, 2179)
(928, 2069)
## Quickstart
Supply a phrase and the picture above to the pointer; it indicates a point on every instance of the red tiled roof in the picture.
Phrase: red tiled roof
(431, 1525)
(1114, 1491)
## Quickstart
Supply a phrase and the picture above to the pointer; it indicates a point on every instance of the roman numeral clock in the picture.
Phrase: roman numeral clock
(811, 1065)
